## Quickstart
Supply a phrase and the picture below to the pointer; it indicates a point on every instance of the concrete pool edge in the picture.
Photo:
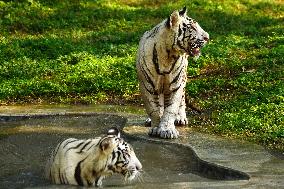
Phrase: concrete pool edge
(218, 153)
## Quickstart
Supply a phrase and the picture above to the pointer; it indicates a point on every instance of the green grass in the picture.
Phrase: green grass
(84, 52)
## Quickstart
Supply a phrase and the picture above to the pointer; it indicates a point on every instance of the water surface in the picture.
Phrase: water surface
(26, 143)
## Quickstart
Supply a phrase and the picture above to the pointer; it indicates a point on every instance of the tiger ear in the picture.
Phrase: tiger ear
(173, 20)
(107, 145)
(113, 131)
(183, 11)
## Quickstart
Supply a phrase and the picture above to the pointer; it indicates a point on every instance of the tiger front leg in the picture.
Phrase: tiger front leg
(174, 110)
(154, 106)
(156, 110)
(181, 119)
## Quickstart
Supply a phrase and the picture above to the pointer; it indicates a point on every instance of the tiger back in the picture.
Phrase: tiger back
(88, 162)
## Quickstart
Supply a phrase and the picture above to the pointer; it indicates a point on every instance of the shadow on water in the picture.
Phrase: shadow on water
(26, 142)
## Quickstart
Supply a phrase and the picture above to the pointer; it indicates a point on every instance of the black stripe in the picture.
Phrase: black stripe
(177, 76)
(145, 65)
(148, 78)
(75, 147)
(77, 174)
(60, 176)
(69, 142)
(56, 150)
(167, 99)
(171, 69)
(118, 162)
(94, 173)
(168, 22)
(119, 154)
(148, 90)
(113, 156)
(154, 31)
(111, 168)
(51, 176)
(179, 31)
(174, 90)
(167, 105)
(65, 178)
(168, 53)
(183, 36)
(156, 60)
(180, 46)
(84, 147)
(96, 182)
(92, 146)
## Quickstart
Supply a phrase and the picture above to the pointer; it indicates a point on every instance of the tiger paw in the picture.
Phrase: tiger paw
(181, 121)
(168, 133)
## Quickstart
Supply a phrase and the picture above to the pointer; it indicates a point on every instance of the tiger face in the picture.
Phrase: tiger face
(123, 159)
(190, 36)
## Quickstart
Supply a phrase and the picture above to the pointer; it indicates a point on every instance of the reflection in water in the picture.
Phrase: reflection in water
(26, 144)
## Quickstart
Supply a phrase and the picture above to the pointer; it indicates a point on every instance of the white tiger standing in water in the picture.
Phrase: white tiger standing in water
(162, 70)
(88, 162)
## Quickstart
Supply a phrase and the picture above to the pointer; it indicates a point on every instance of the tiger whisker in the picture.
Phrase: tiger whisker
(139, 177)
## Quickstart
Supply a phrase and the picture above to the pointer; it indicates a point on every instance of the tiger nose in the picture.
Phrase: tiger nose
(138, 166)
(206, 37)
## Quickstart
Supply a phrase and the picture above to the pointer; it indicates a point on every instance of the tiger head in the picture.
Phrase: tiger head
(121, 156)
(189, 36)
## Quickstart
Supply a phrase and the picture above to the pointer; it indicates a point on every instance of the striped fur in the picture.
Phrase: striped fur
(88, 162)
(162, 70)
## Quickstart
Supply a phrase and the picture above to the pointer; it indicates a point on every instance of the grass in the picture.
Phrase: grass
(84, 52)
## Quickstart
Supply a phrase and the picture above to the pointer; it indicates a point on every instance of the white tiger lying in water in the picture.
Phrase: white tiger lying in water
(88, 162)
(162, 70)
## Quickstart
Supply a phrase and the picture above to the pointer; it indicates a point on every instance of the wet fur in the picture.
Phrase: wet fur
(88, 162)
